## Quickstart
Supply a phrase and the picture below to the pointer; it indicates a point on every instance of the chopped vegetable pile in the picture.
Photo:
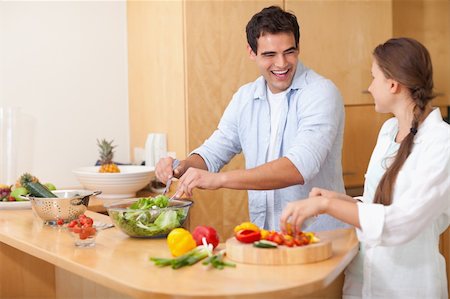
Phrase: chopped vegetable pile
(248, 232)
(148, 217)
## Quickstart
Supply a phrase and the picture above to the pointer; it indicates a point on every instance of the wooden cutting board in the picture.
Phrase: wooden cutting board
(283, 255)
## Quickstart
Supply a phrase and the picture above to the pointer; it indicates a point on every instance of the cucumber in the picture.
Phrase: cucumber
(38, 190)
(265, 244)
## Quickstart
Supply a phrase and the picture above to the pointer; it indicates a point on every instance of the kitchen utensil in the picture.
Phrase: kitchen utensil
(175, 164)
(102, 225)
(68, 205)
(282, 255)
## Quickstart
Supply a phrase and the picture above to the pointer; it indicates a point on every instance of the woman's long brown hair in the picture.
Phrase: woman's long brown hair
(408, 62)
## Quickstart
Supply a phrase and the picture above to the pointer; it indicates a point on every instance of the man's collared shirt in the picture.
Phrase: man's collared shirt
(310, 135)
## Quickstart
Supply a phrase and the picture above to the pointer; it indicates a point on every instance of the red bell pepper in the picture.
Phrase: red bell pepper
(207, 232)
(248, 236)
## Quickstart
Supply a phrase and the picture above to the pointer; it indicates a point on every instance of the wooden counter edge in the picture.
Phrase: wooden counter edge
(136, 292)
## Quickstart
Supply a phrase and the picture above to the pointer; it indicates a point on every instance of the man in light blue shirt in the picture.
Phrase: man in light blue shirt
(288, 124)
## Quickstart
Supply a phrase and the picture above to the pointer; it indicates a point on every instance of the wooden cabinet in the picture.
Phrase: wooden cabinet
(428, 22)
(362, 125)
(156, 72)
(187, 58)
(337, 39)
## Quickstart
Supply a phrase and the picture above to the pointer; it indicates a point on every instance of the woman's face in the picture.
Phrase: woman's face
(381, 90)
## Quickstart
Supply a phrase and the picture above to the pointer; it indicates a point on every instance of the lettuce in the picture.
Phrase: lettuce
(148, 218)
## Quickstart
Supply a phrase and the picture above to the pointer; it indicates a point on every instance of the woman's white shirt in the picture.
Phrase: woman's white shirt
(399, 255)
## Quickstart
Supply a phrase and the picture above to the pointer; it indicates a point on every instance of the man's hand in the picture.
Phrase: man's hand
(197, 178)
(163, 170)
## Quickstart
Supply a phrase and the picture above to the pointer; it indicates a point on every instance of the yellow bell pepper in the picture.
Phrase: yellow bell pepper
(312, 237)
(289, 229)
(180, 241)
(264, 234)
(246, 226)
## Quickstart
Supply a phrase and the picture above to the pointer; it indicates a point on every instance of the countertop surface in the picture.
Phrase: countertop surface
(122, 263)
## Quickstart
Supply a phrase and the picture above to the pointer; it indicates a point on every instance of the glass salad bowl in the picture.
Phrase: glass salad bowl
(149, 217)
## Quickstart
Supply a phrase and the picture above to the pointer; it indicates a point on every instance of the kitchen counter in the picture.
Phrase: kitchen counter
(41, 262)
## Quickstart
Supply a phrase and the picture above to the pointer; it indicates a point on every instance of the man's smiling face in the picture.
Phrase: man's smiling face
(277, 59)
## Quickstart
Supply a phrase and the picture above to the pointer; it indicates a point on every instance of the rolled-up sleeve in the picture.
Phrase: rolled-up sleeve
(321, 114)
(371, 219)
(224, 143)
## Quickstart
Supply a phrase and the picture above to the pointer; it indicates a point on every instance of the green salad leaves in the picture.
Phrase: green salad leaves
(149, 217)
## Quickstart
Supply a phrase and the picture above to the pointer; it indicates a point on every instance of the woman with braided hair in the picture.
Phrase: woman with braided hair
(406, 200)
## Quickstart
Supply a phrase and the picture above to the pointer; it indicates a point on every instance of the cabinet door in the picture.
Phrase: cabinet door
(362, 125)
(217, 64)
(156, 72)
(337, 39)
(429, 23)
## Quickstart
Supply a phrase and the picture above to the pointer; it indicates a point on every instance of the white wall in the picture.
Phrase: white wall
(64, 64)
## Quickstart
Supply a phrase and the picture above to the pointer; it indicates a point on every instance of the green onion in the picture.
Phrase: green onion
(216, 261)
(187, 259)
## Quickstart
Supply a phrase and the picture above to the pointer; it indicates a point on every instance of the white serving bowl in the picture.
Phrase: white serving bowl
(124, 184)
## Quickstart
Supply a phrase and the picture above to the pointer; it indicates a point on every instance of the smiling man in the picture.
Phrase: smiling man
(288, 124)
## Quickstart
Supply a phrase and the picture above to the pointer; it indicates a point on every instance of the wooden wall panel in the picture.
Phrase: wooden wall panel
(337, 39)
(156, 72)
(428, 22)
(217, 64)
(362, 125)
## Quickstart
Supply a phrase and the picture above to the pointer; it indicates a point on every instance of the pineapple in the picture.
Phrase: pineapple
(106, 156)
(24, 179)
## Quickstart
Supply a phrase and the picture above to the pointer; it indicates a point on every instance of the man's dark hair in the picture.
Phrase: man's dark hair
(271, 20)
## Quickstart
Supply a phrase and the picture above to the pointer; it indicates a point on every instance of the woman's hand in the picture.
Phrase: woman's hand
(330, 194)
(295, 213)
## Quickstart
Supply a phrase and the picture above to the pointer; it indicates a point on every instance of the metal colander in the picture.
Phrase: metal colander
(68, 205)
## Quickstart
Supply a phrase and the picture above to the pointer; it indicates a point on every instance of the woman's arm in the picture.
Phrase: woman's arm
(340, 207)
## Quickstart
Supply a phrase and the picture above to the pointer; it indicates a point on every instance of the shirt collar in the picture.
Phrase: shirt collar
(297, 82)
(434, 118)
